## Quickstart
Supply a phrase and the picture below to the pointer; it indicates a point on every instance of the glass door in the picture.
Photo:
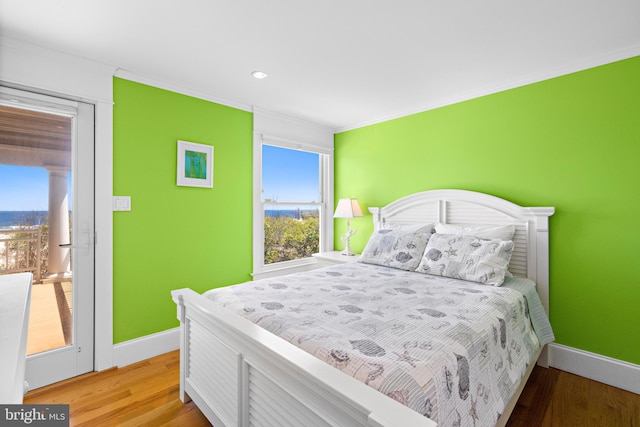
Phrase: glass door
(47, 226)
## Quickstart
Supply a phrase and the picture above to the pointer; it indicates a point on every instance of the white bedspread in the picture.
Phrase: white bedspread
(452, 350)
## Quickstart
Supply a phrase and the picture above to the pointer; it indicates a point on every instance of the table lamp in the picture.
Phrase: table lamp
(348, 208)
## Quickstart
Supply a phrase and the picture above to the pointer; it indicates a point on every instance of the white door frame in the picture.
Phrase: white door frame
(77, 357)
(25, 65)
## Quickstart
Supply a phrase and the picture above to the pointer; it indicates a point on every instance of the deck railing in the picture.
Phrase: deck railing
(21, 251)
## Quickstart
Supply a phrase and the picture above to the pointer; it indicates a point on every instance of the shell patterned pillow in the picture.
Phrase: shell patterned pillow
(467, 258)
(395, 248)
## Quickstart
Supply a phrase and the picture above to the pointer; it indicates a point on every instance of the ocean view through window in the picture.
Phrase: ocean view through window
(18, 218)
(24, 220)
(292, 202)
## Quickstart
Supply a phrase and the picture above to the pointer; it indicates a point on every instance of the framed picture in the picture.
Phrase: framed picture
(195, 165)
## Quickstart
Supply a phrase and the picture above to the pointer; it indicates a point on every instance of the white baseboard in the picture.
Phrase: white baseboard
(146, 347)
(599, 368)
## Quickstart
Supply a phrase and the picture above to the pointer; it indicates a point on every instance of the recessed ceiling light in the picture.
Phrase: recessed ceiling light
(259, 74)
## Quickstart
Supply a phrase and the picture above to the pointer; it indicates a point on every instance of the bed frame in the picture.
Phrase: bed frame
(238, 374)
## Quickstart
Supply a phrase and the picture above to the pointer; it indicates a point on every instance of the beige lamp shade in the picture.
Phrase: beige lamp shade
(348, 208)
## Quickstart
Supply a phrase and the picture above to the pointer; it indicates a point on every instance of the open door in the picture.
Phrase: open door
(47, 226)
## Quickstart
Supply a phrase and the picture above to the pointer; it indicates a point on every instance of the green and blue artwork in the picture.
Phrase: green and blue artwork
(195, 164)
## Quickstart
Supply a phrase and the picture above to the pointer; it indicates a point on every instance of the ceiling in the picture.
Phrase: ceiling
(340, 63)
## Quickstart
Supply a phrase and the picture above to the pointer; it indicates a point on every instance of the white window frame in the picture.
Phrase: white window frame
(260, 269)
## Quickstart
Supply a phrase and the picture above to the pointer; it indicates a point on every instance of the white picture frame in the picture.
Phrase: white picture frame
(195, 165)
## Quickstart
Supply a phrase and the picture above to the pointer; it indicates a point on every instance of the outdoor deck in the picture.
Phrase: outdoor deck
(50, 323)
(50, 317)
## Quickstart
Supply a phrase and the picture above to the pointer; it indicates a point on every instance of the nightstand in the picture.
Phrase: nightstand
(334, 257)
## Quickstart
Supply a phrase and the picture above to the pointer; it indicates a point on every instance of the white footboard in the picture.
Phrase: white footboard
(240, 375)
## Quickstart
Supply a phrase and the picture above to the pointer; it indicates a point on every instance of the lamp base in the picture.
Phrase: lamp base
(346, 238)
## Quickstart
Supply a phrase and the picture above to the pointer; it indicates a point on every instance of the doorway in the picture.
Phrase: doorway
(47, 226)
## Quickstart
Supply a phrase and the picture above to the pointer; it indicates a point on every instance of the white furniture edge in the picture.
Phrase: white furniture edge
(234, 370)
(15, 302)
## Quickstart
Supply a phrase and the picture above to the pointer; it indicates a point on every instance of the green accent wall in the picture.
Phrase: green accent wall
(175, 237)
(571, 142)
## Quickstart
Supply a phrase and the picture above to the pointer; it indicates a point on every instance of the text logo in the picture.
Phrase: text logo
(34, 415)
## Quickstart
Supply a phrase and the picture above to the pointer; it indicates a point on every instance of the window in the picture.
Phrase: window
(292, 193)
(292, 203)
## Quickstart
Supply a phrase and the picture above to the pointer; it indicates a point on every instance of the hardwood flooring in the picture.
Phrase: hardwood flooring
(45, 328)
(554, 398)
(141, 394)
(50, 323)
(146, 394)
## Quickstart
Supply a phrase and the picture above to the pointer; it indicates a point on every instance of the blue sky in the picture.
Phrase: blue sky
(24, 188)
(279, 165)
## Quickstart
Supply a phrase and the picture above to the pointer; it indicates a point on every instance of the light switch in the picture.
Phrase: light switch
(121, 203)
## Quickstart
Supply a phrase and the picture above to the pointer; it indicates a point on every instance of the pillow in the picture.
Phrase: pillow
(412, 228)
(395, 248)
(502, 232)
(467, 258)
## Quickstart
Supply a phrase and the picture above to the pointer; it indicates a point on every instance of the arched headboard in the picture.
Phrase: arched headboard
(461, 207)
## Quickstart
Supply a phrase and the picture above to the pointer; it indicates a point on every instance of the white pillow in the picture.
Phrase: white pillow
(411, 228)
(395, 248)
(502, 232)
(467, 258)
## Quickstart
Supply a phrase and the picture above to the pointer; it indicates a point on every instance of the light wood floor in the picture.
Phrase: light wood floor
(146, 394)
(49, 317)
(141, 394)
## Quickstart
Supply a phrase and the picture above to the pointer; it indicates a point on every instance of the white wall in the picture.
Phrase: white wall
(28, 66)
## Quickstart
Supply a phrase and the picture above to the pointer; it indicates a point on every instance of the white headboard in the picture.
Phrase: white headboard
(531, 254)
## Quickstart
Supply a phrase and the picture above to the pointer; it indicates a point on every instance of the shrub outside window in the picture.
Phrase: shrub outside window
(292, 202)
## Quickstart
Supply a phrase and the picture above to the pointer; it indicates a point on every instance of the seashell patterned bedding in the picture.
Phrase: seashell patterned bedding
(452, 350)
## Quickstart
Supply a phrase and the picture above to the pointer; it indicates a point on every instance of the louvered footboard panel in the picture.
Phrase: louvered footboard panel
(271, 405)
(213, 370)
(263, 393)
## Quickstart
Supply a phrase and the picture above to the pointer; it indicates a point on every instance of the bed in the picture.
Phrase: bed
(277, 352)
